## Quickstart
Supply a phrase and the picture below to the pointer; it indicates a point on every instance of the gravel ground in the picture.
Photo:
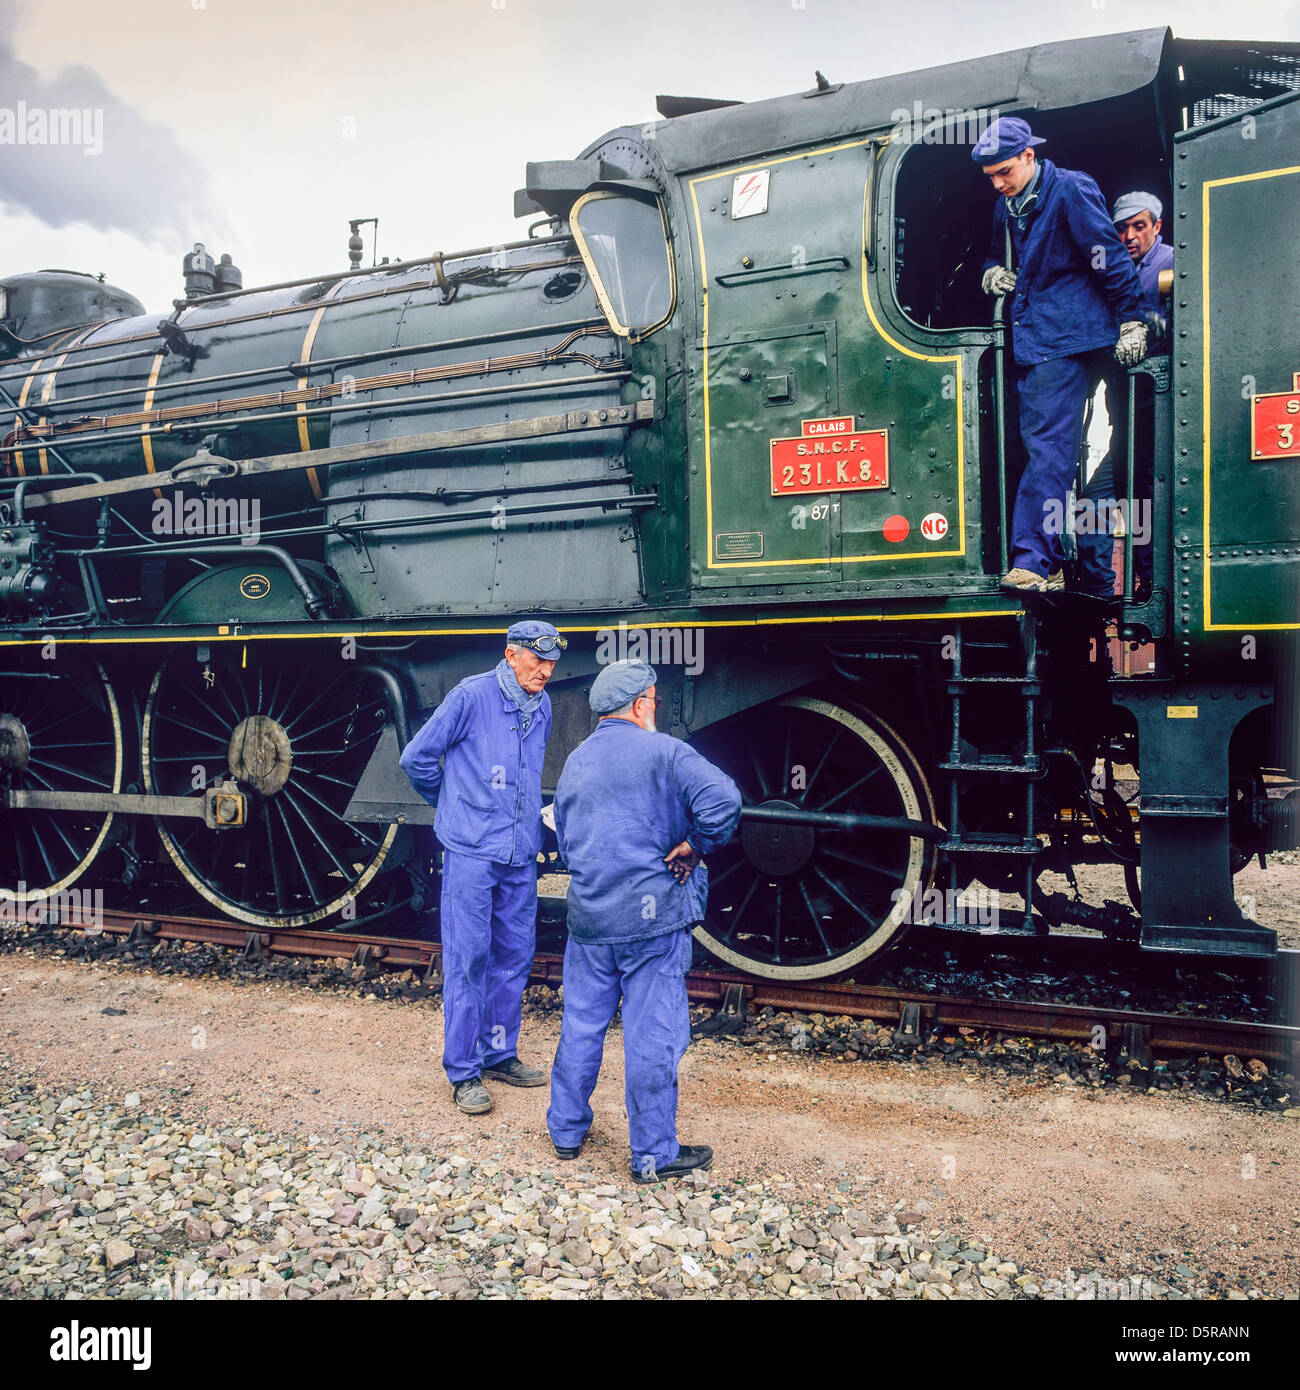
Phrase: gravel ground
(165, 1135)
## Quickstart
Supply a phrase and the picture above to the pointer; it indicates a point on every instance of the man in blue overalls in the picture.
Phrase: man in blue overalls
(490, 732)
(634, 812)
(1136, 217)
(1073, 291)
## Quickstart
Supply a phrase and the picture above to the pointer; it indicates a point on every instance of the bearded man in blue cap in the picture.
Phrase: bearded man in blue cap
(490, 736)
(634, 812)
(1074, 292)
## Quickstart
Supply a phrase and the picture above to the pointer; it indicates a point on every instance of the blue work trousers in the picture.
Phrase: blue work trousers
(1052, 399)
(650, 978)
(489, 933)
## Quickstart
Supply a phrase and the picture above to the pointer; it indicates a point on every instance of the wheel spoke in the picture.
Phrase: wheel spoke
(744, 903)
(338, 719)
(223, 735)
(758, 772)
(821, 763)
(67, 771)
(309, 876)
(870, 865)
(345, 869)
(841, 894)
(816, 921)
(852, 787)
(274, 863)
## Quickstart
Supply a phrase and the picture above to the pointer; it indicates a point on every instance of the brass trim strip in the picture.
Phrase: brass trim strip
(22, 402)
(304, 428)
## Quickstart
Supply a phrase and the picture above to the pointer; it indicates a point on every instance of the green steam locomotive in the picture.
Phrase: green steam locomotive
(734, 403)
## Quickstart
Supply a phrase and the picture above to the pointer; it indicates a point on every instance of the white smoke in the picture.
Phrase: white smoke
(73, 152)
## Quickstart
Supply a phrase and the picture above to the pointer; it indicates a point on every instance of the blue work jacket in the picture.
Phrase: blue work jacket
(489, 791)
(625, 798)
(1075, 281)
(1159, 257)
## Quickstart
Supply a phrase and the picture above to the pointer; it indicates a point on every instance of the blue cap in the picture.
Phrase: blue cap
(618, 683)
(528, 631)
(1006, 136)
(1130, 204)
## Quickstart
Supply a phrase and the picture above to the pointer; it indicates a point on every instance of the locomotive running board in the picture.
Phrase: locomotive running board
(204, 468)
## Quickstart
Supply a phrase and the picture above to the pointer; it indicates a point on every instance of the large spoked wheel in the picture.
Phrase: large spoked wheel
(60, 731)
(798, 903)
(295, 732)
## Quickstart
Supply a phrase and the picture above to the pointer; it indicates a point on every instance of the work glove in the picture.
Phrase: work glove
(998, 280)
(1132, 345)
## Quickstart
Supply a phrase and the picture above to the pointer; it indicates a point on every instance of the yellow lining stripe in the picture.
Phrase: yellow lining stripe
(1208, 624)
(304, 435)
(22, 401)
(875, 323)
(146, 443)
(46, 392)
(946, 616)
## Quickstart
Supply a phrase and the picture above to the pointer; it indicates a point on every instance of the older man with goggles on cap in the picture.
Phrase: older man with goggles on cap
(479, 760)
(634, 812)
(1074, 293)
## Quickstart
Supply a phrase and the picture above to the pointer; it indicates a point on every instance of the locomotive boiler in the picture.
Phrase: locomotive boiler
(733, 402)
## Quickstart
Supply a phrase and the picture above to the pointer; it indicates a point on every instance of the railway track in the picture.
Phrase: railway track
(913, 1014)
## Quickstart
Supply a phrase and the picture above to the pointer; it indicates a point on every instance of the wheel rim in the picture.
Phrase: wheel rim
(60, 730)
(793, 902)
(296, 736)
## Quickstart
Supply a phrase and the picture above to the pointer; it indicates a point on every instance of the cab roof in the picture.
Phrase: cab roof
(1043, 78)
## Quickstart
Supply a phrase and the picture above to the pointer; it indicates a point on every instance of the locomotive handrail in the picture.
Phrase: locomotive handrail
(1000, 405)
(392, 268)
(345, 528)
(85, 429)
(869, 217)
(1128, 490)
(541, 426)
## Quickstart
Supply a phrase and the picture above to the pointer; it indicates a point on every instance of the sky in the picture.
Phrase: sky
(260, 127)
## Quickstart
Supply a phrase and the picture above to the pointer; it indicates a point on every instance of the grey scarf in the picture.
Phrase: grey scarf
(527, 704)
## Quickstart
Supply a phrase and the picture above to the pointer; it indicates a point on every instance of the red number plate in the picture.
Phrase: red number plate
(1275, 424)
(850, 462)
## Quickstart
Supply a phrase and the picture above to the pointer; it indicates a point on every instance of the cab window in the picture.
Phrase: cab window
(624, 243)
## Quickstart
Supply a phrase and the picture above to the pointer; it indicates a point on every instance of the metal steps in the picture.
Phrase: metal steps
(970, 774)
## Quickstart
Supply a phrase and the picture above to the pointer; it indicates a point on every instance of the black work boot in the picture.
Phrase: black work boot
(513, 1072)
(689, 1157)
(471, 1096)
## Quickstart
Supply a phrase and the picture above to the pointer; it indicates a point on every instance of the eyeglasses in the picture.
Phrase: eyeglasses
(657, 699)
(543, 644)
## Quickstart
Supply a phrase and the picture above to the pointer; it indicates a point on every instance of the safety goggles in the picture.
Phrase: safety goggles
(543, 645)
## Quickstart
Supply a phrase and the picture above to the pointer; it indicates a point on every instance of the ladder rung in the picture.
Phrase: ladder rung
(983, 929)
(1025, 769)
(1024, 848)
(1029, 685)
